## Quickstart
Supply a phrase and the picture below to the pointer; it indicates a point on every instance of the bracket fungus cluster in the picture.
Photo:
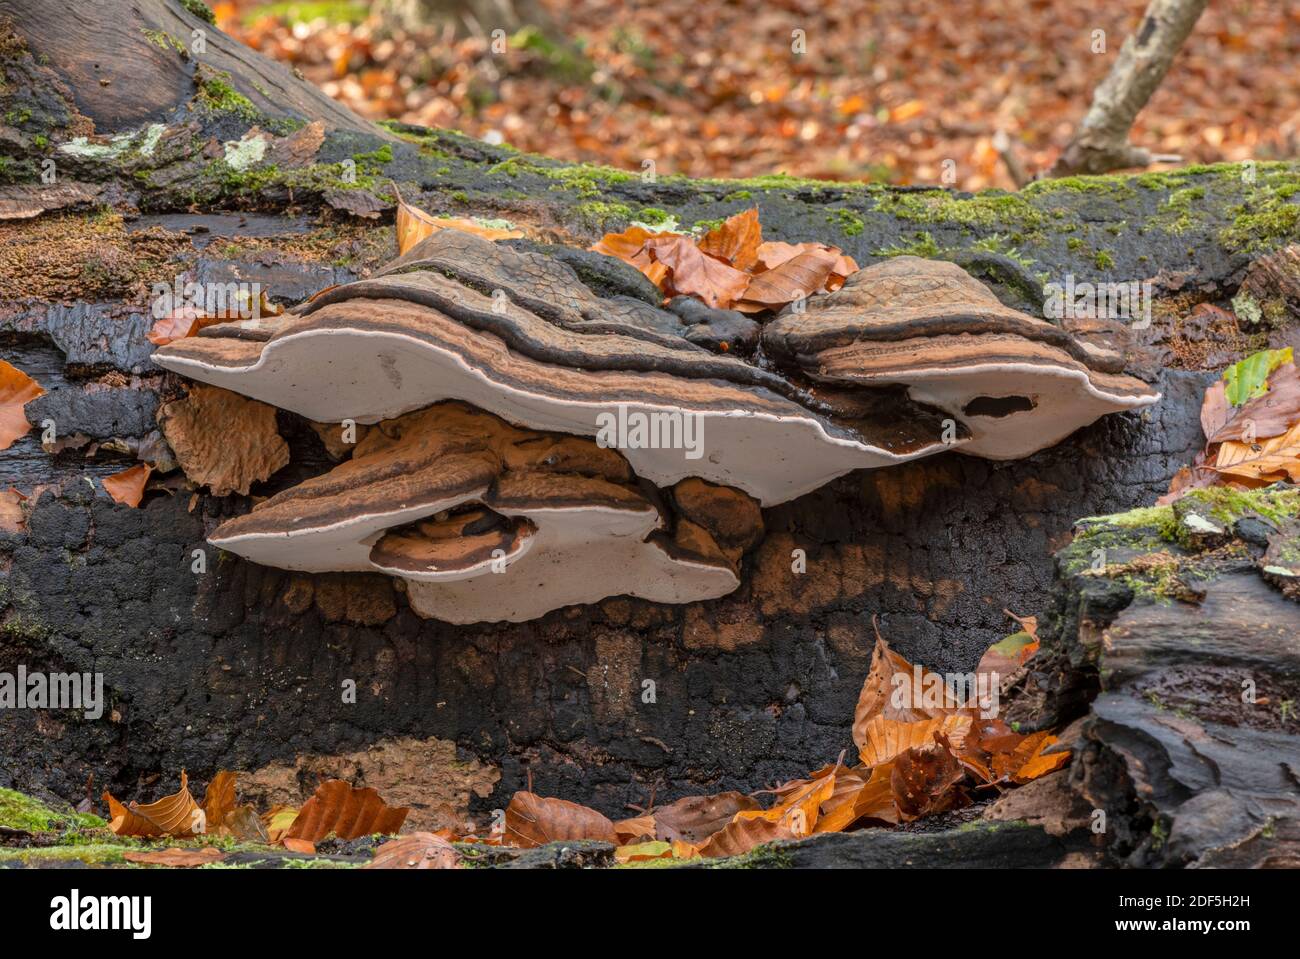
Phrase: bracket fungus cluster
(599, 445)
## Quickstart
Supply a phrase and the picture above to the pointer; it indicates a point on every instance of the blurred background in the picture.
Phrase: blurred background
(884, 90)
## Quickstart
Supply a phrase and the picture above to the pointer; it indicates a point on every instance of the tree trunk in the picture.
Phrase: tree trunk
(1101, 143)
(241, 666)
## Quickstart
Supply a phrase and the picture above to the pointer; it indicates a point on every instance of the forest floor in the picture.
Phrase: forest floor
(884, 90)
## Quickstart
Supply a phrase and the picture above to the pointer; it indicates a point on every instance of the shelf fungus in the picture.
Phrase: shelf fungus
(1018, 383)
(486, 521)
(600, 445)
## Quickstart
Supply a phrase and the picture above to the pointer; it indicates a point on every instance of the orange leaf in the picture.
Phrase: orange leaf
(696, 818)
(923, 779)
(180, 323)
(176, 857)
(172, 815)
(798, 277)
(299, 845)
(127, 487)
(884, 738)
(694, 274)
(891, 690)
(339, 808)
(534, 821)
(414, 225)
(16, 389)
(628, 830)
(12, 517)
(418, 850)
(736, 241)
(219, 799)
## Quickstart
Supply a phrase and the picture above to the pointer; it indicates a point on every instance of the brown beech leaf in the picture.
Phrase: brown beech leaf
(339, 808)
(414, 225)
(172, 815)
(885, 738)
(243, 823)
(219, 799)
(1266, 461)
(799, 812)
(127, 487)
(860, 794)
(773, 254)
(1026, 760)
(176, 857)
(417, 850)
(1271, 414)
(305, 846)
(532, 820)
(631, 830)
(800, 276)
(16, 389)
(692, 273)
(180, 323)
(741, 835)
(13, 518)
(891, 690)
(736, 241)
(923, 779)
(223, 440)
(630, 247)
(696, 818)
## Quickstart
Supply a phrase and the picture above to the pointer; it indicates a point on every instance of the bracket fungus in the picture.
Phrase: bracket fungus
(449, 498)
(474, 357)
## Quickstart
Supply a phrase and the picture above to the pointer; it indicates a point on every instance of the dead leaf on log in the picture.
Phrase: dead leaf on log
(13, 517)
(340, 809)
(127, 487)
(219, 799)
(923, 779)
(414, 225)
(795, 279)
(176, 857)
(419, 850)
(693, 273)
(631, 830)
(695, 818)
(173, 815)
(223, 440)
(180, 323)
(884, 738)
(644, 851)
(277, 822)
(532, 820)
(16, 389)
(304, 846)
(735, 241)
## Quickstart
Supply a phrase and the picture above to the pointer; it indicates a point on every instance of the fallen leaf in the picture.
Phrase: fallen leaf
(644, 852)
(889, 691)
(219, 799)
(884, 738)
(305, 846)
(414, 225)
(628, 830)
(278, 820)
(127, 487)
(532, 820)
(417, 850)
(922, 781)
(695, 818)
(692, 273)
(796, 278)
(223, 440)
(630, 247)
(1267, 461)
(172, 815)
(243, 823)
(1248, 379)
(176, 857)
(16, 389)
(179, 324)
(735, 241)
(338, 808)
(1270, 414)
(13, 518)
